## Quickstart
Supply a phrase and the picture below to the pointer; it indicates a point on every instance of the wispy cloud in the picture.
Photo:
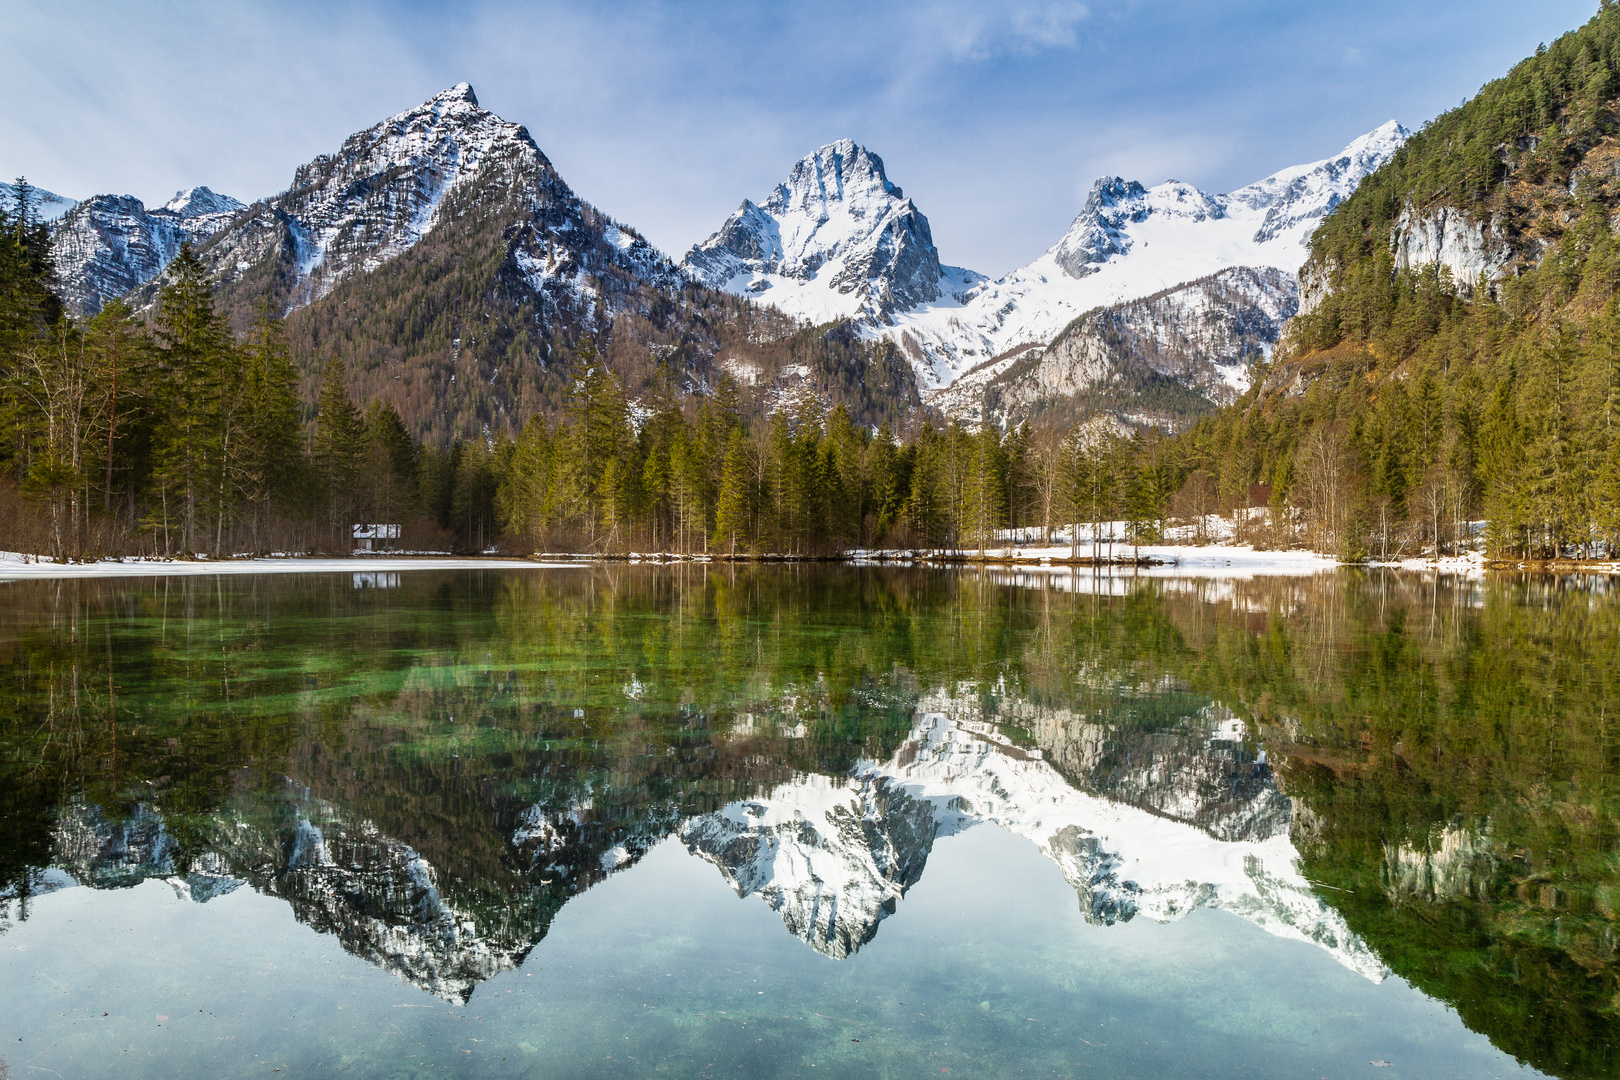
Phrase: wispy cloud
(994, 116)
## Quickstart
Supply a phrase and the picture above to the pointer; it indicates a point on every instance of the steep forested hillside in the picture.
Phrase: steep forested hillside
(1457, 353)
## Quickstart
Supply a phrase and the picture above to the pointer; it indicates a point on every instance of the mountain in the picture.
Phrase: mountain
(351, 212)
(48, 206)
(380, 897)
(1157, 361)
(836, 240)
(443, 257)
(109, 245)
(1129, 242)
(1456, 314)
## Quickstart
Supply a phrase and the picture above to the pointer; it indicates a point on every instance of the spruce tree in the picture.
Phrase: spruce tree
(731, 509)
(196, 405)
(339, 449)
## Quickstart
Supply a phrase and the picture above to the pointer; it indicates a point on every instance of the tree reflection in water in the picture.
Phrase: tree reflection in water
(430, 770)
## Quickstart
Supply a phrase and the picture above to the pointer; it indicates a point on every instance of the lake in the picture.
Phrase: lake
(801, 821)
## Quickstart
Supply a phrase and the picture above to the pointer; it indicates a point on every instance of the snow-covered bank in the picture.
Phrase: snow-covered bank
(14, 566)
(1157, 559)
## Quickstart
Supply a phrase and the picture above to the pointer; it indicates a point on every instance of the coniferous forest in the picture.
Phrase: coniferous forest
(1404, 403)
(164, 433)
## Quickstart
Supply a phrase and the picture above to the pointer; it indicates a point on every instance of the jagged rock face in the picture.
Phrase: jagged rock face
(382, 900)
(1475, 253)
(109, 245)
(1198, 772)
(1455, 863)
(352, 211)
(837, 239)
(577, 844)
(1103, 228)
(1133, 241)
(113, 854)
(1203, 337)
(833, 859)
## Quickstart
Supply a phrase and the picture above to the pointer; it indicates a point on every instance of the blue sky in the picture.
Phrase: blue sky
(995, 118)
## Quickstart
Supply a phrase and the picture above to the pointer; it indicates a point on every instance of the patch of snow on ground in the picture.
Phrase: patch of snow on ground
(14, 566)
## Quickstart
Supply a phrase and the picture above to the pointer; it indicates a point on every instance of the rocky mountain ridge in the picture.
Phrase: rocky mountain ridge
(376, 894)
(459, 193)
(350, 212)
(1157, 361)
(47, 205)
(1129, 242)
(110, 245)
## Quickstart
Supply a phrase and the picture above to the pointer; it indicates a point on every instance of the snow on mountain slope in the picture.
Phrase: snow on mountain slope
(835, 857)
(837, 239)
(48, 206)
(385, 188)
(111, 244)
(1128, 242)
(1187, 349)
(200, 203)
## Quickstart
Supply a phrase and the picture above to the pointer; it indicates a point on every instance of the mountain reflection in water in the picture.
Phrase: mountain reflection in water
(1412, 774)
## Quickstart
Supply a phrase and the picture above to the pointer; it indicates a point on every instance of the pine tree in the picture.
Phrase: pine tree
(121, 364)
(196, 402)
(338, 450)
(731, 509)
(271, 458)
(389, 471)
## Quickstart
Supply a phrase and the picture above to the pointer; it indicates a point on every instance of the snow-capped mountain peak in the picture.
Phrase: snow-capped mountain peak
(111, 244)
(836, 239)
(200, 201)
(1306, 193)
(1130, 241)
(461, 92)
(381, 192)
(840, 178)
(1102, 229)
(834, 858)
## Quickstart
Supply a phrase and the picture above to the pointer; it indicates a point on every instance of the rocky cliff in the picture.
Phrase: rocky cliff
(1160, 360)
(110, 245)
(836, 240)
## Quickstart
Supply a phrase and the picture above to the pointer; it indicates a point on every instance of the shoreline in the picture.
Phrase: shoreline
(1211, 560)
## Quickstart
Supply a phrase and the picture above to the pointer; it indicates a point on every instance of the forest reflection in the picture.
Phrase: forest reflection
(430, 766)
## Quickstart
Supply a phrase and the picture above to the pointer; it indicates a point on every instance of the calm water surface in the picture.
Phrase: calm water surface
(681, 822)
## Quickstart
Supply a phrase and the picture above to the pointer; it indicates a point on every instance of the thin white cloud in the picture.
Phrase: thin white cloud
(994, 117)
